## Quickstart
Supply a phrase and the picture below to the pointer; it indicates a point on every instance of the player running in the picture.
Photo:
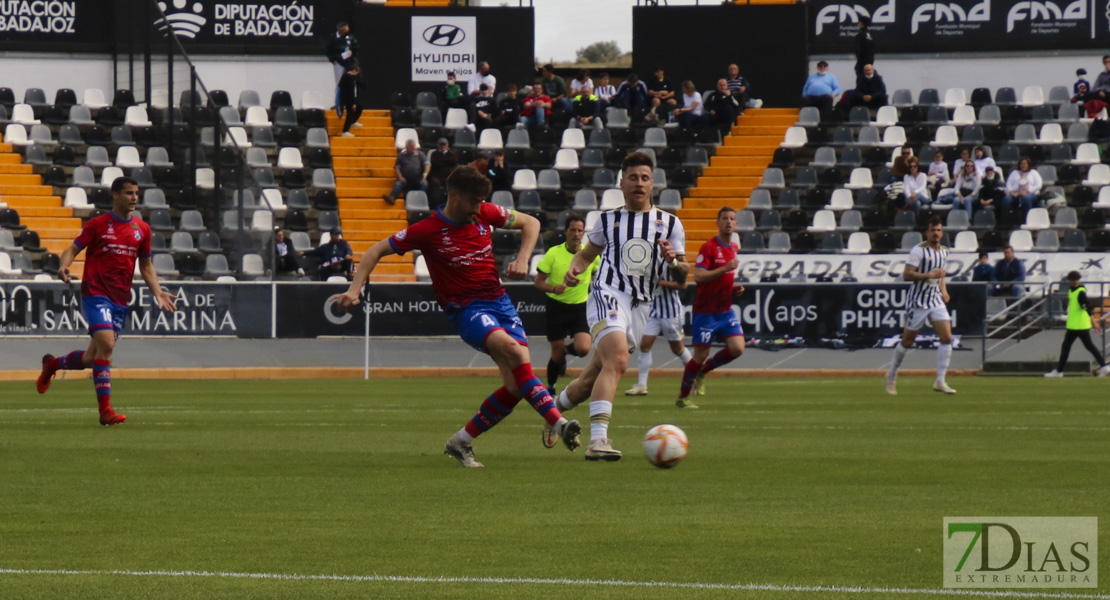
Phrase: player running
(456, 243)
(565, 310)
(713, 318)
(633, 242)
(925, 304)
(664, 319)
(114, 241)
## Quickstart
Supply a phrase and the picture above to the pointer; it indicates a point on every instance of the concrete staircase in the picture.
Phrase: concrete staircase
(735, 169)
(363, 172)
(39, 209)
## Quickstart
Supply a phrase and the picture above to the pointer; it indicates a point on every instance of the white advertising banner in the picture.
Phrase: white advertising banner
(442, 44)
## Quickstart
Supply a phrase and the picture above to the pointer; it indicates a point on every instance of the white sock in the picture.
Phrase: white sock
(644, 367)
(563, 401)
(464, 437)
(600, 411)
(944, 355)
(686, 356)
(899, 355)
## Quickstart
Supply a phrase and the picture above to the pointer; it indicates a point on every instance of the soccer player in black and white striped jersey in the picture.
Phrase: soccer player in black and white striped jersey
(925, 303)
(634, 242)
(664, 320)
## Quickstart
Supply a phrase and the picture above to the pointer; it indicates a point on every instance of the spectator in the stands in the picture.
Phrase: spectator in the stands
(937, 174)
(738, 86)
(443, 160)
(721, 106)
(284, 253)
(496, 171)
(1023, 187)
(958, 164)
(452, 92)
(870, 89)
(342, 50)
(631, 93)
(581, 80)
(983, 160)
(1098, 95)
(992, 188)
(587, 107)
(821, 89)
(690, 113)
(662, 96)
(555, 88)
(900, 166)
(350, 97)
(915, 188)
(508, 109)
(604, 90)
(967, 188)
(984, 270)
(485, 109)
(411, 170)
(1081, 86)
(865, 46)
(1009, 273)
(482, 75)
(536, 107)
(335, 256)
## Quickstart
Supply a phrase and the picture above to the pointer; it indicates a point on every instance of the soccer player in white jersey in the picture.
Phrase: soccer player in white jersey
(925, 304)
(634, 242)
(664, 320)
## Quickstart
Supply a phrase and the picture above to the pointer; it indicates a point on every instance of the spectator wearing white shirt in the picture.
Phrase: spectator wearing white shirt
(915, 186)
(958, 164)
(938, 174)
(482, 75)
(1023, 187)
(582, 80)
(984, 160)
(604, 90)
(967, 188)
(689, 114)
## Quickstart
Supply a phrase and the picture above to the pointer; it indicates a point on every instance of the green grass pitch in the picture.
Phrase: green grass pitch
(789, 482)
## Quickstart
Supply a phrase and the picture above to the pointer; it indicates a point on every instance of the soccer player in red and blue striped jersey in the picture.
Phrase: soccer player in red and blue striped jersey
(456, 241)
(712, 316)
(114, 241)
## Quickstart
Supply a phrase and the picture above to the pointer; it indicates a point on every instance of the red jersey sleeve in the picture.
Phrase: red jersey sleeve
(495, 215)
(411, 238)
(705, 257)
(87, 235)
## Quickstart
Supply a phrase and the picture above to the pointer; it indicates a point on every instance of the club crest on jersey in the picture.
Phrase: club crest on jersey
(400, 235)
(659, 225)
(138, 235)
(482, 229)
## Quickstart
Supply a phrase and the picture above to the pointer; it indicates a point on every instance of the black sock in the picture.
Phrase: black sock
(552, 373)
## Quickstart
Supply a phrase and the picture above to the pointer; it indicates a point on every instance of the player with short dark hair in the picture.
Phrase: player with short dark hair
(925, 303)
(456, 243)
(634, 242)
(712, 315)
(114, 240)
(565, 308)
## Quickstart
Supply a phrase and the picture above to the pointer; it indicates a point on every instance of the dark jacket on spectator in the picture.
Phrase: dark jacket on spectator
(339, 44)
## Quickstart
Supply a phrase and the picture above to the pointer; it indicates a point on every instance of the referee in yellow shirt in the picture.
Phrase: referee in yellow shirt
(566, 307)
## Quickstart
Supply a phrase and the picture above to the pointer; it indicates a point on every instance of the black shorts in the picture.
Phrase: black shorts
(565, 320)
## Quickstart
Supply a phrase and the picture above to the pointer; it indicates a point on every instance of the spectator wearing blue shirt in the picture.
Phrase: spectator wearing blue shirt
(821, 89)
(1009, 273)
(335, 256)
(984, 271)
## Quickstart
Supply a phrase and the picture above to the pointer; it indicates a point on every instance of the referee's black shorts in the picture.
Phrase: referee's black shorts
(565, 320)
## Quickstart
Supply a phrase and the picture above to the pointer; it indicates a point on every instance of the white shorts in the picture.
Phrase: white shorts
(608, 310)
(916, 318)
(670, 329)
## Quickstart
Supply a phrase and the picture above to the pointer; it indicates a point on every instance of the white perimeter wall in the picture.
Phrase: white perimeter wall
(968, 71)
(230, 73)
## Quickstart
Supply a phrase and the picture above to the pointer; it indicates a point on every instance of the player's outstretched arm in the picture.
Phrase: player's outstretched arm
(530, 232)
(707, 275)
(150, 276)
(366, 266)
(582, 261)
(65, 260)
